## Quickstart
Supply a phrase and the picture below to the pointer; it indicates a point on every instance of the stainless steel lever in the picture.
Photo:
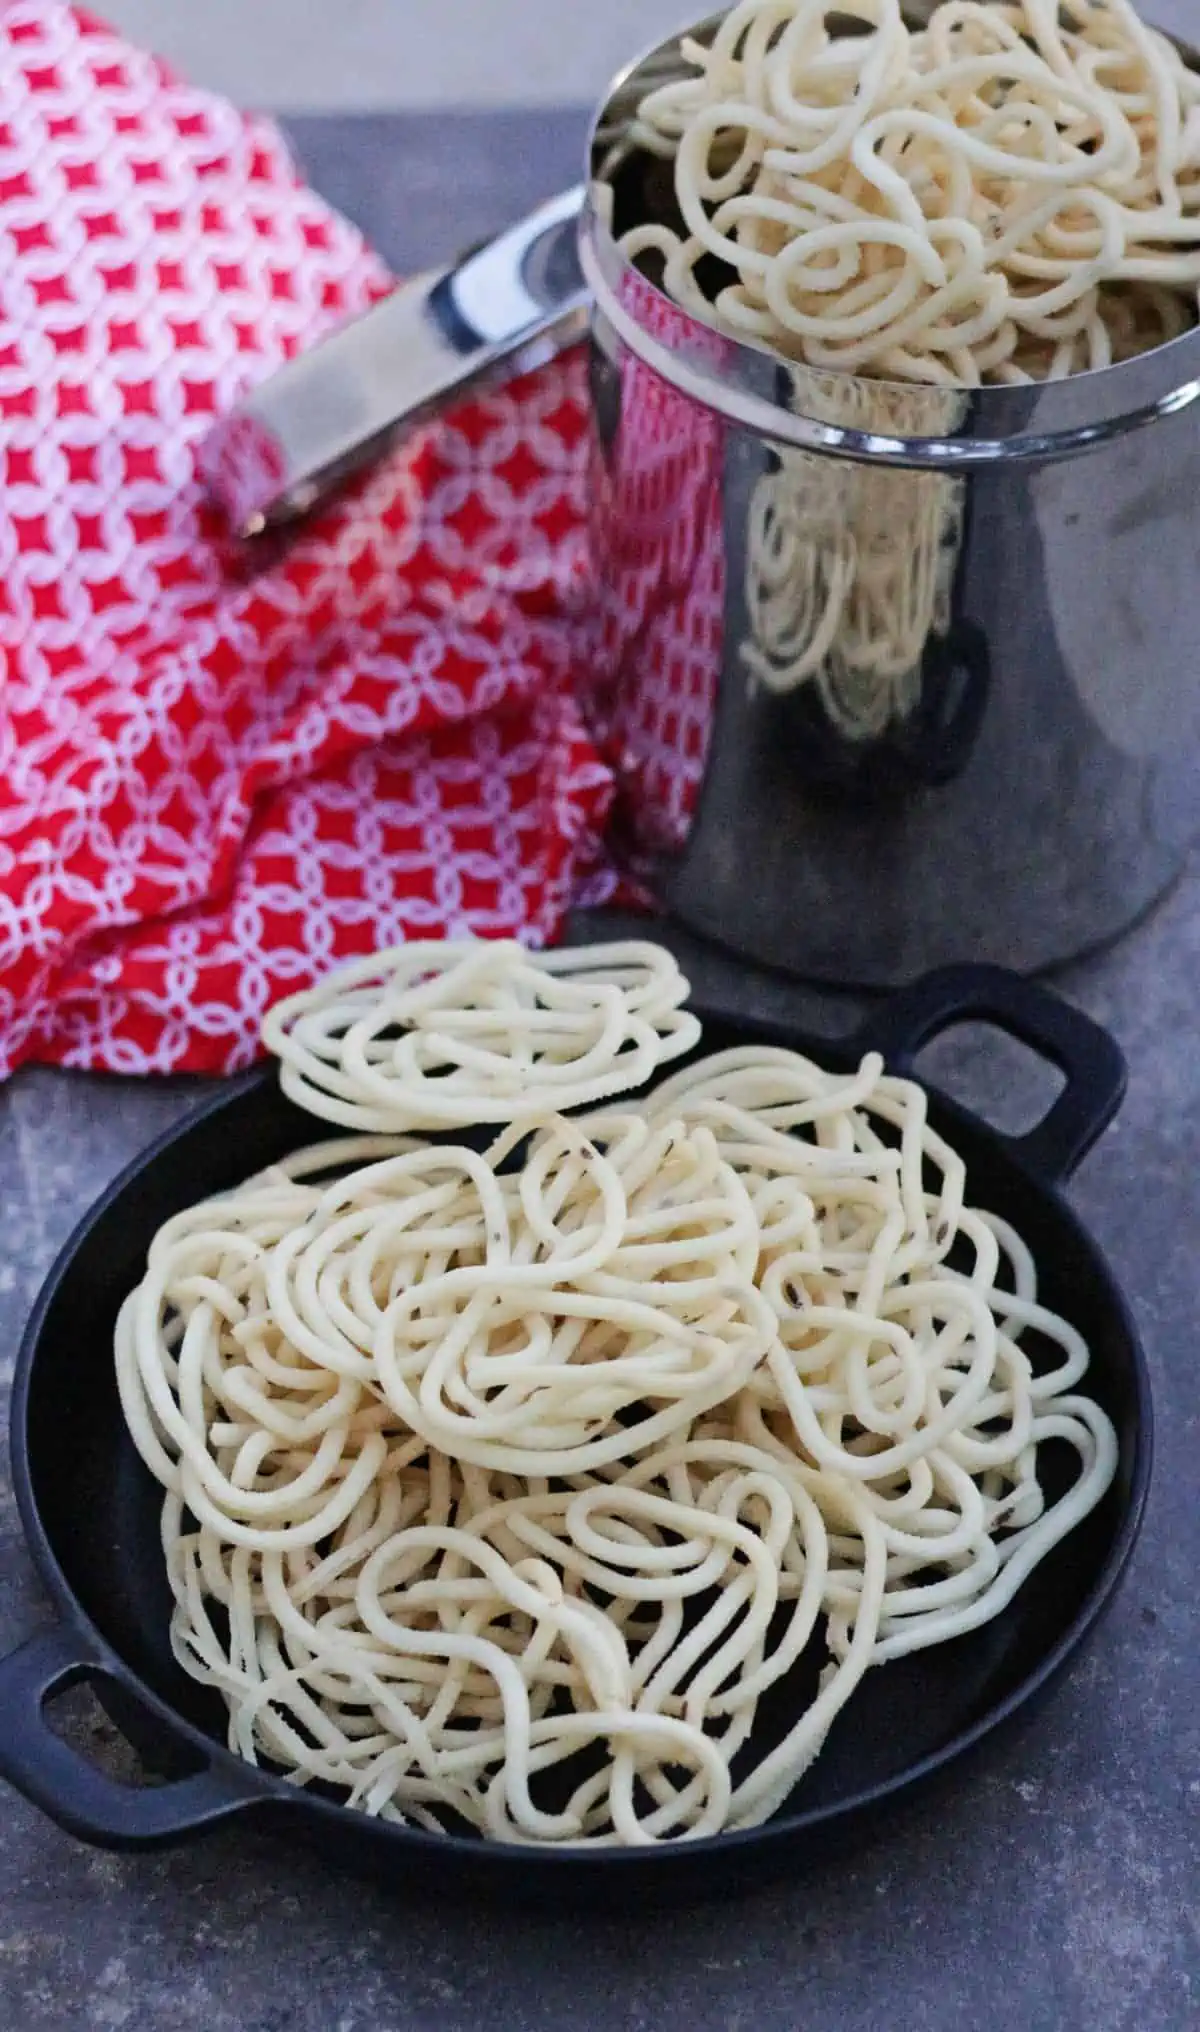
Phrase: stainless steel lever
(506, 308)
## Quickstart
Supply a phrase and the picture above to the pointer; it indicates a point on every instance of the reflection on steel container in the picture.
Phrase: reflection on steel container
(655, 634)
(889, 676)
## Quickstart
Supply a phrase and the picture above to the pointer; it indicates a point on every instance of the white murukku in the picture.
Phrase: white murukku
(499, 1489)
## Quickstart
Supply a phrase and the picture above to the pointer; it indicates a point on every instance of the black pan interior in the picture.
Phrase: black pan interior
(99, 1508)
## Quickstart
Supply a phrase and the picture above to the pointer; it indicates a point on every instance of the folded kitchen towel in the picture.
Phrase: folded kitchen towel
(216, 780)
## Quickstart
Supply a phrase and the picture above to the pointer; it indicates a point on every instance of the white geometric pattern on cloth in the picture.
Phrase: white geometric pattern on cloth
(217, 776)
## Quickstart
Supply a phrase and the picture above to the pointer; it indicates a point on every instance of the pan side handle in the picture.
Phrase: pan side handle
(75, 1793)
(1090, 1061)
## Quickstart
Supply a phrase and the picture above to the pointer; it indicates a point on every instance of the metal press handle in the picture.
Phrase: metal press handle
(506, 308)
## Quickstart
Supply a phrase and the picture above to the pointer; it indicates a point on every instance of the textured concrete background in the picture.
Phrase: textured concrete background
(325, 54)
(322, 54)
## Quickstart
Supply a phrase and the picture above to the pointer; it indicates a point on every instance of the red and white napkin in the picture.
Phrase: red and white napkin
(214, 784)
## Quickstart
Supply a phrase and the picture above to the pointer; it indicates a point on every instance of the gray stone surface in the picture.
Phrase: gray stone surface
(501, 165)
(1057, 1892)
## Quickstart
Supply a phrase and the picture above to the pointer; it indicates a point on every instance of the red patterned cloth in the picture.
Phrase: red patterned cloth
(214, 784)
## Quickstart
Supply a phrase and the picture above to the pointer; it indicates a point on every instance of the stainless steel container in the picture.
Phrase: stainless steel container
(888, 676)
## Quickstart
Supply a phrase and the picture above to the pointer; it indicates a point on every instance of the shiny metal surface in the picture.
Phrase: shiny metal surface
(505, 309)
(889, 676)
(959, 431)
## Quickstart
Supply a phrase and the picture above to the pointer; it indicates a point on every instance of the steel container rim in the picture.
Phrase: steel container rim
(746, 384)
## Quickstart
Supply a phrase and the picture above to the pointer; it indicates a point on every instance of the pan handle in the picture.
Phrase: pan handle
(77, 1795)
(1090, 1060)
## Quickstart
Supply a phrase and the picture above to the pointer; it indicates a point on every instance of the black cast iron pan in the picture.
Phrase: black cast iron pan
(91, 1515)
